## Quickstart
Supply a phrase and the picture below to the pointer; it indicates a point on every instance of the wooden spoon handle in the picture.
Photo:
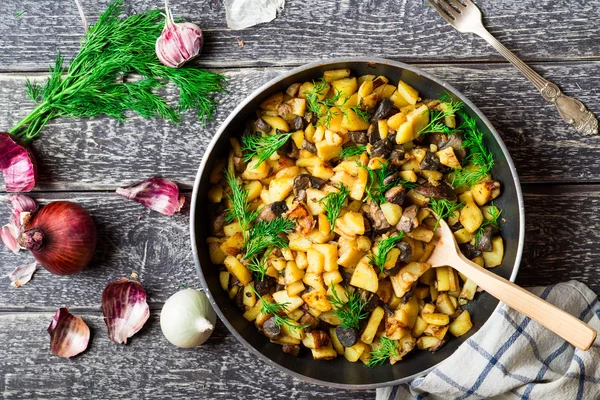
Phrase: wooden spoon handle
(573, 330)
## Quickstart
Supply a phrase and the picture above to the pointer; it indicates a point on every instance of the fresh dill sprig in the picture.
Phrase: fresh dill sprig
(493, 212)
(262, 146)
(18, 14)
(383, 249)
(436, 117)
(333, 203)
(479, 158)
(387, 349)
(353, 150)
(322, 107)
(265, 234)
(351, 312)
(98, 80)
(376, 189)
(444, 208)
(240, 208)
(259, 266)
(275, 309)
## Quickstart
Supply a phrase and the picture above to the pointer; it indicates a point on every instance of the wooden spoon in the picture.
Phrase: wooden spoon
(573, 330)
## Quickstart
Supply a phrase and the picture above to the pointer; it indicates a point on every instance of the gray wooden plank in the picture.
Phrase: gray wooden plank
(100, 154)
(561, 243)
(312, 30)
(147, 368)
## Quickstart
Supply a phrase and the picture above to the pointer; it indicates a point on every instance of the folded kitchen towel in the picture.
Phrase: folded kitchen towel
(513, 357)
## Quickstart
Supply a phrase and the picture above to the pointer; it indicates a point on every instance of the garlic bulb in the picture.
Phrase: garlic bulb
(187, 318)
(179, 42)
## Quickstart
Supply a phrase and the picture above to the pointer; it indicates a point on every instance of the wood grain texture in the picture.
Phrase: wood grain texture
(101, 154)
(312, 30)
(561, 244)
(148, 367)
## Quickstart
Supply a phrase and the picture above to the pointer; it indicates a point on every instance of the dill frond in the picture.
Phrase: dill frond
(259, 266)
(383, 249)
(494, 212)
(444, 208)
(262, 146)
(436, 117)
(240, 207)
(376, 189)
(275, 309)
(322, 107)
(265, 234)
(353, 150)
(351, 312)
(333, 203)
(387, 348)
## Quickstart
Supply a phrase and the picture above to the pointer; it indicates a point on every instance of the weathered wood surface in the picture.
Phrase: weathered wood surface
(561, 244)
(101, 154)
(310, 30)
(148, 367)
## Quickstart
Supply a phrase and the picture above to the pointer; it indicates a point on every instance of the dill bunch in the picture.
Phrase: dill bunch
(322, 107)
(350, 312)
(259, 266)
(387, 349)
(262, 146)
(265, 234)
(376, 189)
(333, 204)
(98, 80)
(383, 249)
(444, 208)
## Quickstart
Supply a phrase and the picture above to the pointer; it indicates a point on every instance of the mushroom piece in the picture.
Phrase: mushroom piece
(373, 302)
(305, 181)
(347, 336)
(430, 162)
(384, 107)
(262, 126)
(308, 146)
(291, 349)
(302, 217)
(239, 299)
(312, 322)
(218, 217)
(265, 286)
(441, 191)
(382, 148)
(396, 195)
(271, 329)
(273, 210)
(405, 252)
(409, 220)
(239, 164)
(359, 137)
(469, 251)
(376, 216)
(298, 123)
(320, 338)
(397, 157)
(289, 149)
(485, 241)
(373, 134)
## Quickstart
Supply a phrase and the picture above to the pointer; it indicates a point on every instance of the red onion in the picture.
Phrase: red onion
(125, 309)
(69, 335)
(61, 236)
(17, 164)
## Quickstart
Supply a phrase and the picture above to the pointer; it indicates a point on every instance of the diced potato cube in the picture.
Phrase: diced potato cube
(282, 297)
(295, 288)
(292, 273)
(461, 325)
(428, 309)
(224, 279)
(215, 194)
(217, 256)
(353, 353)
(255, 171)
(327, 151)
(330, 255)
(436, 319)
(436, 331)
(297, 106)
(330, 317)
(345, 87)
(442, 279)
(365, 277)
(314, 280)
(405, 132)
(335, 341)
(332, 277)
(351, 223)
(427, 342)
(324, 353)
(249, 298)
(234, 245)
(352, 122)
(335, 74)
(392, 212)
(317, 299)
(420, 118)
(409, 176)
(494, 258)
(312, 201)
(419, 328)
(410, 94)
(315, 261)
(469, 289)
(384, 91)
(280, 188)
(276, 123)
(408, 275)
(421, 233)
(272, 102)
(485, 192)
(299, 243)
(444, 305)
(396, 120)
(253, 312)
(238, 269)
(372, 325)
(398, 100)
(448, 158)
(463, 236)
(471, 217)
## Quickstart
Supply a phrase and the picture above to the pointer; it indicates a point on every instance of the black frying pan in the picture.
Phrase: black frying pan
(339, 372)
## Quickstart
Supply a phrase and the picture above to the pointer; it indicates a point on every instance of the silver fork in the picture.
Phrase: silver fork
(465, 16)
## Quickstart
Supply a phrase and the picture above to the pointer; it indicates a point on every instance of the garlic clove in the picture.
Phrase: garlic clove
(23, 208)
(22, 274)
(125, 309)
(178, 42)
(158, 194)
(17, 164)
(69, 335)
(9, 234)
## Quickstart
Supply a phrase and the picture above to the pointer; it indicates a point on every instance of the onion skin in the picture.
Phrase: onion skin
(125, 309)
(17, 164)
(69, 335)
(68, 237)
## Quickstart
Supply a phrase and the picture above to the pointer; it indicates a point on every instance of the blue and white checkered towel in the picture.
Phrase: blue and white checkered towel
(512, 357)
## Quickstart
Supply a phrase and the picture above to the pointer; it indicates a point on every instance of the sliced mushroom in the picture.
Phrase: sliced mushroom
(441, 191)
(312, 322)
(308, 146)
(383, 148)
(239, 164)
(409, 220)
(397, 157)
(430, 162)
(262, 126)
(347, 336)
(469, 251)
(373, 302)
(485, 242)
(284, 109)
(359, 137)
(298, 123)
(373, 134)
(305, 181)
(289, 149)
(405, 252)
(394, 175)
(396, 195)
(376, 216)
(273, 210)
(265, 286)
(382, 110)
(271, 329)
(302, 217)
(291, 349)
(218, 216)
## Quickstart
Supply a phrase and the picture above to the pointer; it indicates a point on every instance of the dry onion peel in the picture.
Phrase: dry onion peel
(22, 274)
(125, 309)
(9, 234)
(69, 335)
(158, 194)
(23, 208)
(17, 164)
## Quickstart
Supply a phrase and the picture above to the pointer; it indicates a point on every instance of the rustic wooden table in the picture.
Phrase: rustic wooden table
(86, 160)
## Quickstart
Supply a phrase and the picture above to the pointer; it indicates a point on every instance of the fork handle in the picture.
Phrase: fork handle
(571, 110)
(573, 330)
